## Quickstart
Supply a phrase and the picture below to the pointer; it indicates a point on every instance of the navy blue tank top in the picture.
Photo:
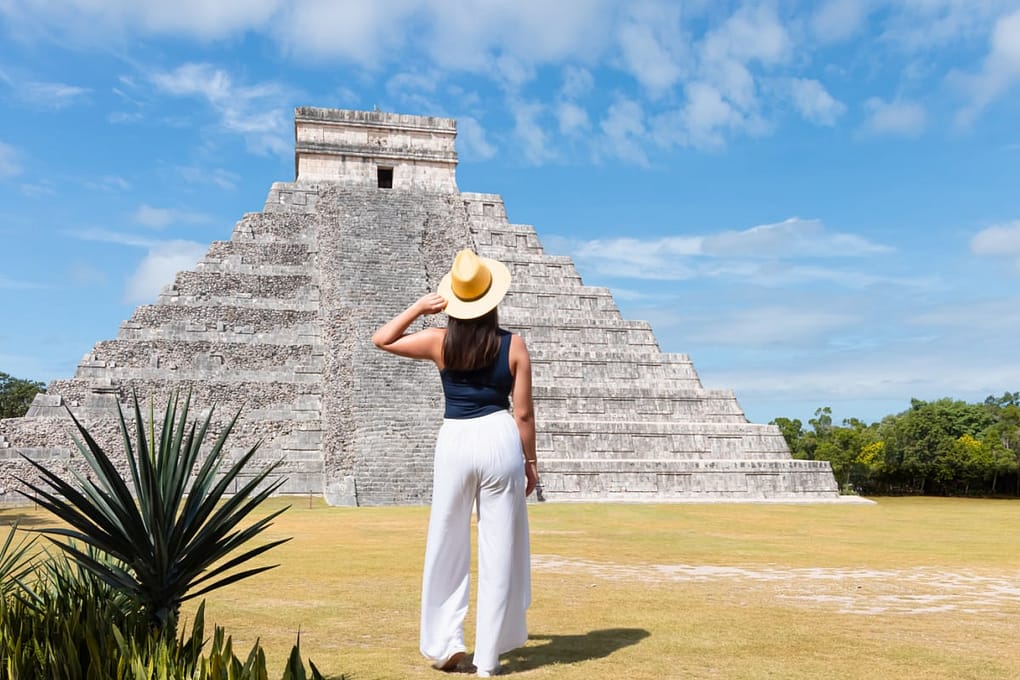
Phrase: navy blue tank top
(473, 394)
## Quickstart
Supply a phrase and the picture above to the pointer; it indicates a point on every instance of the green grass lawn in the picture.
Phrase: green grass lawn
(906, 588)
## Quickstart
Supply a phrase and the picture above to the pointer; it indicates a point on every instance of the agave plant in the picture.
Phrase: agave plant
(15, 563)
(168, 533)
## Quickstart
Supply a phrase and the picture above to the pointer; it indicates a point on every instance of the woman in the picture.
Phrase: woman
(483, 456)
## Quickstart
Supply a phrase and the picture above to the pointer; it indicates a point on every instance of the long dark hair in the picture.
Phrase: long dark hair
(471, 344)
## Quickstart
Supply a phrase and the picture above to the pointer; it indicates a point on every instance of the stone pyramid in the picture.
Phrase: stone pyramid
(276, 322)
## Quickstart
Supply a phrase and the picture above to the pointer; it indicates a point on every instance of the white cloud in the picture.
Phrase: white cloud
(999, 72)
(572, 118)
(767, 255)
(408, 81)
(623, 131)
(812, 101)
(96, 23)
(702, 121)
(120, 238)
(159, 268)
(535, 146)
(366, 33)
(752, 33)
(468, 35)
(838, 20)
(473, 143)
(224, 179)
(1002, 240)
(577, 81)
(894, 118)
(9, 165)
(651, 46)
(51, 95)
(457, 35)
(256, 112)
(158, 218)
(925, 25)
(769, 324)
(38, 189)
(665, 258)
(794, 237)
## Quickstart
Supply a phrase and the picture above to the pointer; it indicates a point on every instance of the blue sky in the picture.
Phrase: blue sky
(818, 201)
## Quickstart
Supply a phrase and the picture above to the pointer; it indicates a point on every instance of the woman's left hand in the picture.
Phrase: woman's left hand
(430, 303)
(531, 472)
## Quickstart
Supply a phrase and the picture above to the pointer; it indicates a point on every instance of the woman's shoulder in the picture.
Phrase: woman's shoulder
(516, 341)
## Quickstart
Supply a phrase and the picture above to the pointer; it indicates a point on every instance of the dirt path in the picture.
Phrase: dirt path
(922, 590)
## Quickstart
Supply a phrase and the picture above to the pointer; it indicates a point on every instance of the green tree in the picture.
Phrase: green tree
(918, 438)
(793, 433)
(16, 395)
(967, 462)
(1003, 438)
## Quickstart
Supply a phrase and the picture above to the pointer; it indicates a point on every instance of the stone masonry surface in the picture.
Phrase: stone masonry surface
(276, 323)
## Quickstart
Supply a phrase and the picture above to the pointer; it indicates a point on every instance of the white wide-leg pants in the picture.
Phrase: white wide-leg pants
(479, 461)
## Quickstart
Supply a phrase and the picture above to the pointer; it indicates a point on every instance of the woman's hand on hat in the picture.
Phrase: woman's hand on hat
(431, 303)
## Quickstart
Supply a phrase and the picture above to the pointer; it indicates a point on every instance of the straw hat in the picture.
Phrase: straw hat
(474, 285)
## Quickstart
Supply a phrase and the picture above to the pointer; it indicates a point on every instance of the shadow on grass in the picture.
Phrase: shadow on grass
(566, 649)
(24, 520)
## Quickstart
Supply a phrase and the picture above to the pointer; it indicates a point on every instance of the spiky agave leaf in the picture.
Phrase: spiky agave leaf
(15, 559)
(171, 531)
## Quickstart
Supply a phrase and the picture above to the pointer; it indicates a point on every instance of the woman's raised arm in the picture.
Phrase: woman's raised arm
(425, 344)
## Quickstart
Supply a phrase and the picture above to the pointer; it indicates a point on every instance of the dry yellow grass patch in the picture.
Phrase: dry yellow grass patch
(906, 588)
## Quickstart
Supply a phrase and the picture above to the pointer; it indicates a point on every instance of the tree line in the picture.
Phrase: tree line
(16, 395)
(944, 447)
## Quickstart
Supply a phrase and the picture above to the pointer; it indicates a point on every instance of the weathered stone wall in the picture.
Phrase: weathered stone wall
(349, 147)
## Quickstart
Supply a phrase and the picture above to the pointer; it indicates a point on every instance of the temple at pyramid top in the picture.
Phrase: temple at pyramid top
(275, 322)
(375, 149)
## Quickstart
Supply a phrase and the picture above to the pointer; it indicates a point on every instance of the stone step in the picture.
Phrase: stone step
(303, 398)
(201, 354)
(505, 227)
(201, 370)
(583, 372)
(210, 284)
(295, 335)
(275, 227)
(221, 319)
(292, 197)
(590, 307)
(236, 253)
(495, 238)
(666, 480)
(598, 334)
(640, 354)
(611, 401)
(484, 208)
(553, 278)
(585, 438)
(307, 303)
(235, 266)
